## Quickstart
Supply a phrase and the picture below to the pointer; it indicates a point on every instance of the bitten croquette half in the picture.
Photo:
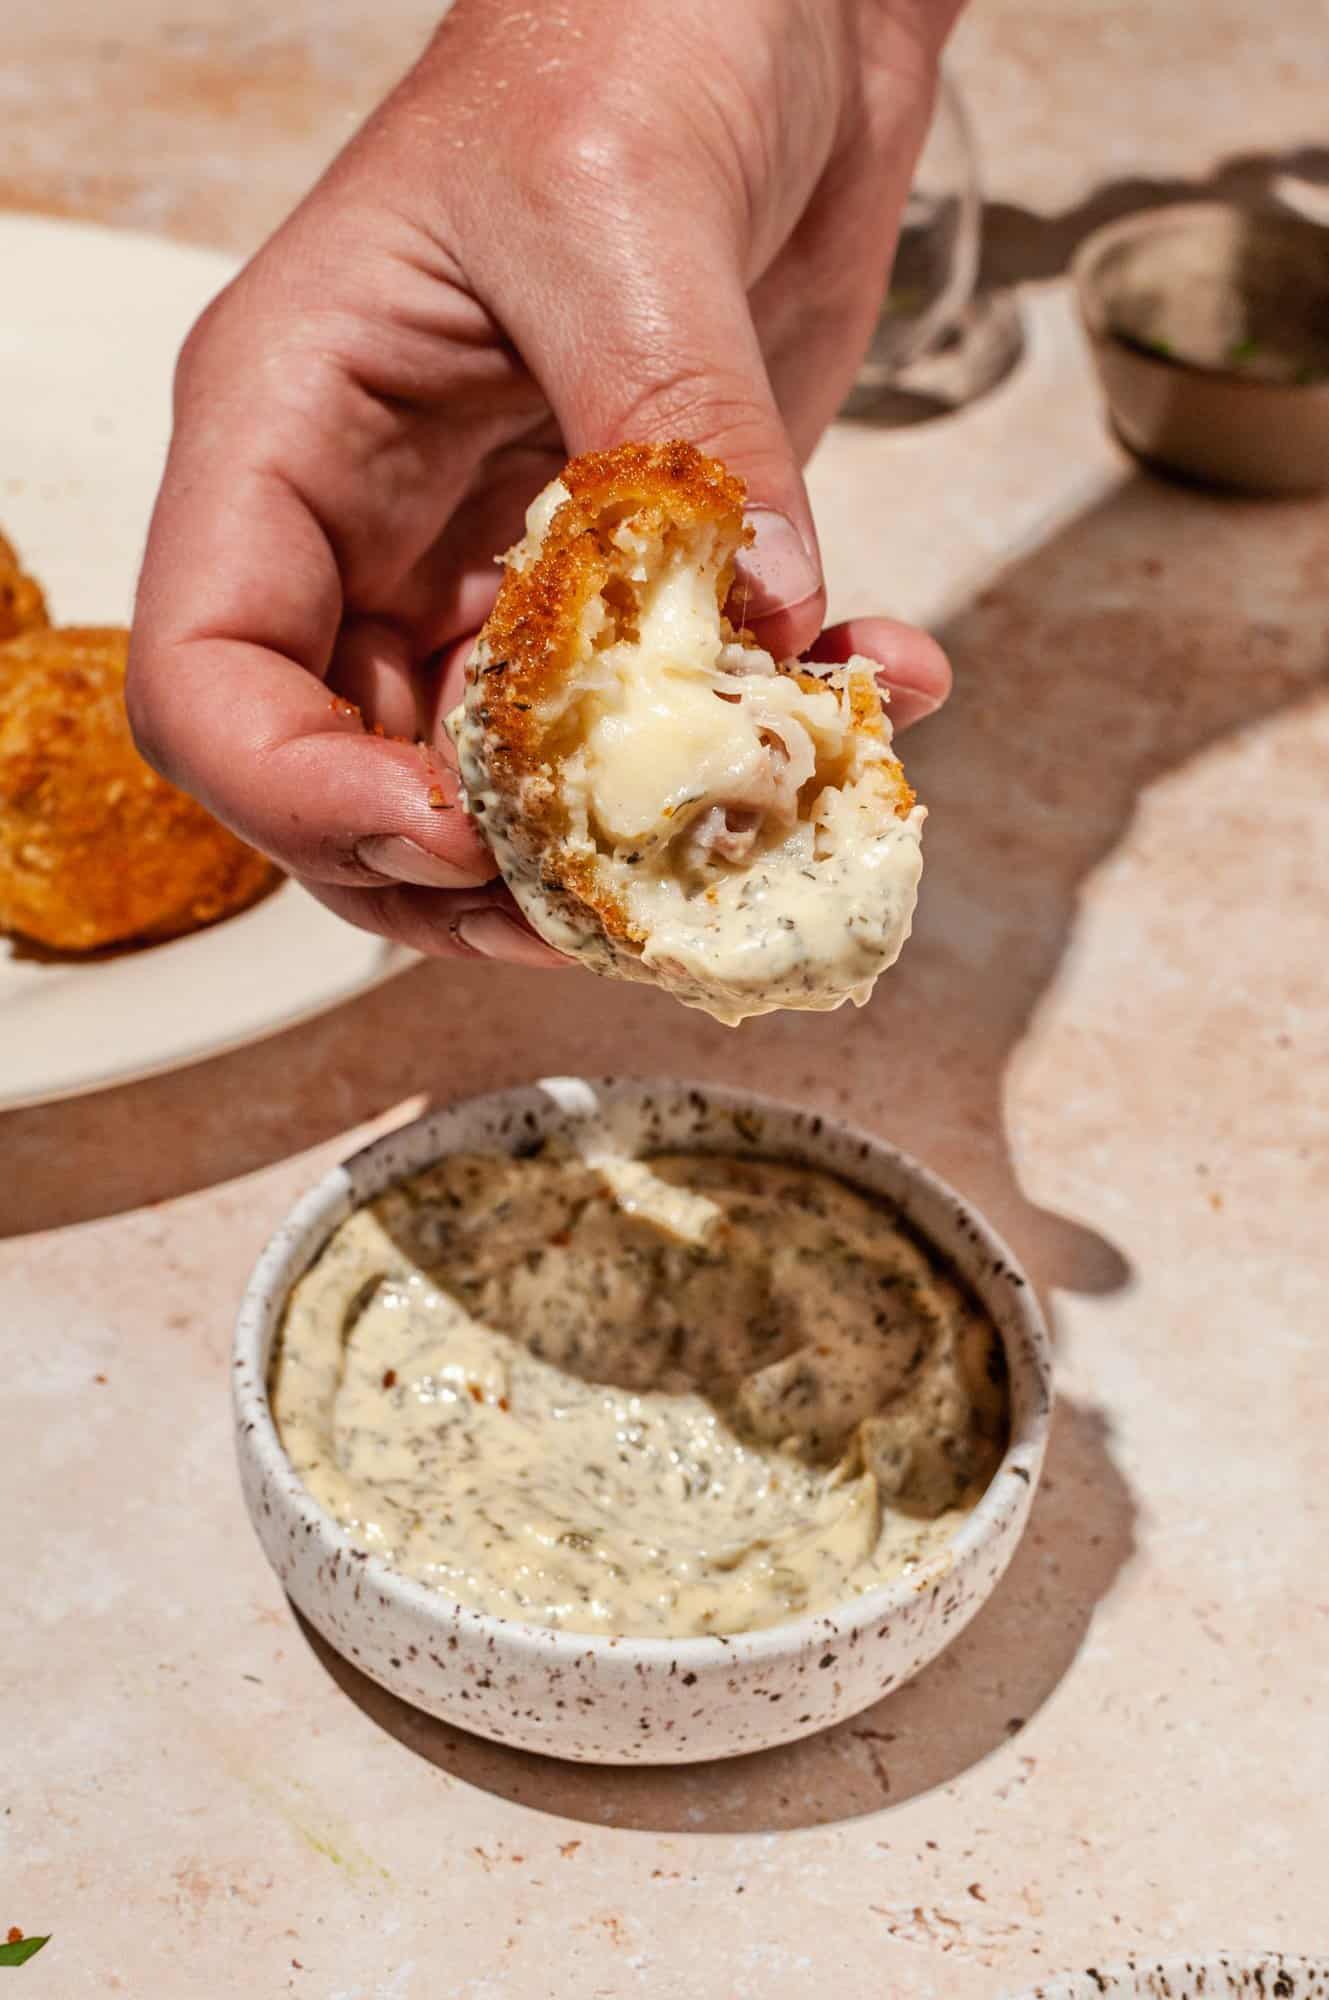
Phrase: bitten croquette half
(665, 800)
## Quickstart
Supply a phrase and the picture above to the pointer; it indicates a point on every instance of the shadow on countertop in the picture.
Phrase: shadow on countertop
(1154, 626)
(1157, 625)
(979, 1700)
(1020, 244)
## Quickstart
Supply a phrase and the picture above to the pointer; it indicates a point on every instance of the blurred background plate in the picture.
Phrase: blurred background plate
(92, 321)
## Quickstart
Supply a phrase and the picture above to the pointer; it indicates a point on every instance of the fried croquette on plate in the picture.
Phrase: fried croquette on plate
(665, 800)
(95, 848)
(22, 606)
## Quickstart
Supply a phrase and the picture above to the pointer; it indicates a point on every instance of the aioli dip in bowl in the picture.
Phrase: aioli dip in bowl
(638, 1422)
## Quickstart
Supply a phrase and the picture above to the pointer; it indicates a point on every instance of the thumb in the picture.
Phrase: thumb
(636, 355)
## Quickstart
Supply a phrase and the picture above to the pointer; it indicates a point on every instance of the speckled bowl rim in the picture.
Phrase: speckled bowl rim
(295, 1244)
(1173, 1973)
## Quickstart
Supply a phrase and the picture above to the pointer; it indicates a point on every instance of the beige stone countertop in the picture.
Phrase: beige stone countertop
(1111, 1030)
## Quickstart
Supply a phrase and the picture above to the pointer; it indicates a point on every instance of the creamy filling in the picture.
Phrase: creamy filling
(683, 726)
(692, 1395)
(734, 805)
(743, 821)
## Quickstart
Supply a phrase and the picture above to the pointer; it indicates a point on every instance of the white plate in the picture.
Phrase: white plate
(91, 324)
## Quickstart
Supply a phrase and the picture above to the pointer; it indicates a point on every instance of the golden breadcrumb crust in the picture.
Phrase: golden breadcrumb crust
(95, 848)
(530, 645)
(22, 606)
(532, 631)
(530, 640)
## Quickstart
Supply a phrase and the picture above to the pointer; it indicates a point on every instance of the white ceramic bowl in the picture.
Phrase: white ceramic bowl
(636, 1701)
(1238, 1976)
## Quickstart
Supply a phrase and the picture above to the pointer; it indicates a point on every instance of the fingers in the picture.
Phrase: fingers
(913, 668)
(373, 668)
(237, 619)
(457, 578)
(484, 924)
(652, 338)
(442, 685)
(716, 393)
(289, 766)
(774, 594)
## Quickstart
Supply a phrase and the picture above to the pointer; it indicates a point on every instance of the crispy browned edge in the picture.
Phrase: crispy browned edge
(865, 713)
(530, 636)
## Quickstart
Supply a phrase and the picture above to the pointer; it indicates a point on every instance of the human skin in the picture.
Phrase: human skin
(571, 224)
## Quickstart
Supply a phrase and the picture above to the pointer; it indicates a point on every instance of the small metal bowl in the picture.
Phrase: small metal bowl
(1209, 326)
(626, 1700)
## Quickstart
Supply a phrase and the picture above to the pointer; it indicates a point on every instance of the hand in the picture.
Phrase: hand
(568, 226)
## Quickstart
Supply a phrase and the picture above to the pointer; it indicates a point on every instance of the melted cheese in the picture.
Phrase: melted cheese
(744, 821)
(662, 737)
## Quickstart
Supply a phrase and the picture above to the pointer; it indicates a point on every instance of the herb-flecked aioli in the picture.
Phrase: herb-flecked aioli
(696, 1394)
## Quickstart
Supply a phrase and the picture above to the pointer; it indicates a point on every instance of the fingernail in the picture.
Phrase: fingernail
(779, 570)
(906, 706)
(896, 686)
(492, 935)
(393, 855)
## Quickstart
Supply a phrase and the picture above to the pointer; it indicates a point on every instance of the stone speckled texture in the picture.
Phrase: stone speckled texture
(1260, 1977)
(1110, 1031)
